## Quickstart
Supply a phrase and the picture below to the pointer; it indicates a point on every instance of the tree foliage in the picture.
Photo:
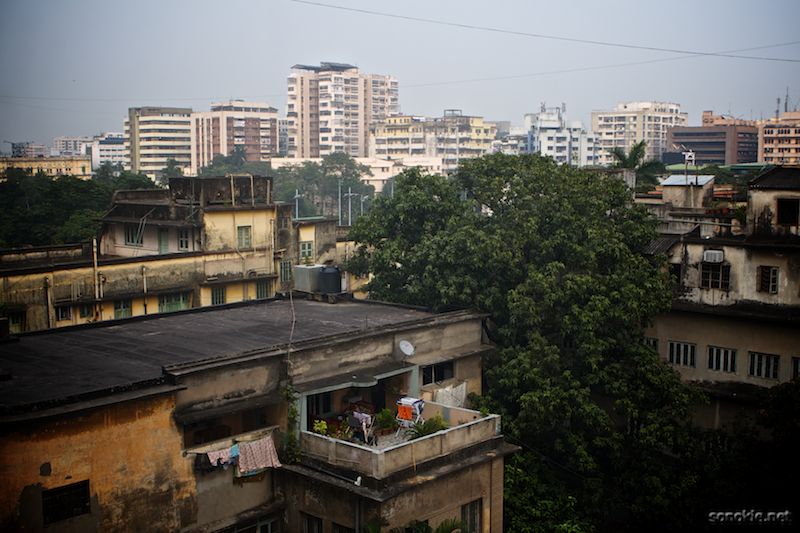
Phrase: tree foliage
(318, 183)
(553, 253)
(234, 163)
(39, 210)
(646, 170)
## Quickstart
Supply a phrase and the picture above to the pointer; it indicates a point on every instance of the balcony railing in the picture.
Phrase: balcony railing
(467, 428)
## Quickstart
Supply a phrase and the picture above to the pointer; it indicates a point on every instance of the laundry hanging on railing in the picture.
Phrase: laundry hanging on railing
(257, 455)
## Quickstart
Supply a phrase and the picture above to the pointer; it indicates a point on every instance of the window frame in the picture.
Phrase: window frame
(286, 271)
(121, 310)
(66, 501)
(682, 353)
(715, 280)
(439, 370)
(764, 365)
(132, 235)
(183, 239)
(309, 527)
(721, 359)
(262, 289)
(768, 279)
(63, 313)
(306, 249)
(218, 295)
(166, 303)
(85, 310)
(781, 217)
(244, 237)
(472, 516)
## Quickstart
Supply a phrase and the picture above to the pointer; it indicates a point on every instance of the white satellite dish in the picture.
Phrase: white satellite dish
(407, 348)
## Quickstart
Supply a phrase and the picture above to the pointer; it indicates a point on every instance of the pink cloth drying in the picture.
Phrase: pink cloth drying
(258, 454)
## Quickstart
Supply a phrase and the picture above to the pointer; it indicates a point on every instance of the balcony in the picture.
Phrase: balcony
(394, 453)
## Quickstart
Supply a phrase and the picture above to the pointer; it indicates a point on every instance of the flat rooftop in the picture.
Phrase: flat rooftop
(60, 366)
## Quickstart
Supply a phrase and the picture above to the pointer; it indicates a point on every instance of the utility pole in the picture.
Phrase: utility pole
(297, 197)
(349, 207)
(340, 201)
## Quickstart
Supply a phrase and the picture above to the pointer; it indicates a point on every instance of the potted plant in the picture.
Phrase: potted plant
(427, 427)
(385, 422)
(321, 427)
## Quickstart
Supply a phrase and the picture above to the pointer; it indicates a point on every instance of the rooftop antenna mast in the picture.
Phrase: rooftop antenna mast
(786, 101)
(778, 108)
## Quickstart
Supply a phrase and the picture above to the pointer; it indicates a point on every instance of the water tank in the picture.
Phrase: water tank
(330, 280)
(307, 277)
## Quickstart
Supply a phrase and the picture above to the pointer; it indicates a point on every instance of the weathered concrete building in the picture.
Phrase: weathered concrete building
(735, 318)
(108, 427)
(203, 241)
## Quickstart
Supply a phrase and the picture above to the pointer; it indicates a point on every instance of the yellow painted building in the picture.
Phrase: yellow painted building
(451, 137)
(78, 166)
(202, 242)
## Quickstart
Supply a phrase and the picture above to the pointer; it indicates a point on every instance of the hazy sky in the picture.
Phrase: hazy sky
(74, 67)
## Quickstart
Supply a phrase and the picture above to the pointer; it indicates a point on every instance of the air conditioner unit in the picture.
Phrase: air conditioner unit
(713, 256)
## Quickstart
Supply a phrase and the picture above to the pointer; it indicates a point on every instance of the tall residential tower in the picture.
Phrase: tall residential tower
(154, 135)
(331, 107)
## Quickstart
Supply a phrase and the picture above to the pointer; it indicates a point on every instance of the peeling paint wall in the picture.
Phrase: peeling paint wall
(744, 274)
(131, 455)
(762, 212)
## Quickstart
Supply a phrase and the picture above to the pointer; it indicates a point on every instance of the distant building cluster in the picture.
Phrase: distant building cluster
(336, 108)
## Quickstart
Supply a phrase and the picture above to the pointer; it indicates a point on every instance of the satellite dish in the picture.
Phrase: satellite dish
(407, 348)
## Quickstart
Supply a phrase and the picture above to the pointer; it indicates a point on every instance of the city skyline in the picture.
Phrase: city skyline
(116, 57)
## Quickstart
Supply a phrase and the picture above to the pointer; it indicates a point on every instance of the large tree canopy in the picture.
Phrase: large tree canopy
(39, 210)
(553, 253)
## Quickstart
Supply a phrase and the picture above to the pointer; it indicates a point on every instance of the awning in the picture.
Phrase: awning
(357, 377)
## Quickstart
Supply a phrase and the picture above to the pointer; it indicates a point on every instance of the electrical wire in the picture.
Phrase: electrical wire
(542, 35)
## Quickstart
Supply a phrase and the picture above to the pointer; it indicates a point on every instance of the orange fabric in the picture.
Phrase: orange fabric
(404, 412)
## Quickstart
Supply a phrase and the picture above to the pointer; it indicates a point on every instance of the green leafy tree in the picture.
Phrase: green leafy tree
(646, 170)
(234, 163)
(318, 183)
(553, 253)
(172, 170)
(38, 210)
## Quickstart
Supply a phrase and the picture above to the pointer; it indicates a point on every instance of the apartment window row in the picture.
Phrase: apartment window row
(718, 276)
(761, 365)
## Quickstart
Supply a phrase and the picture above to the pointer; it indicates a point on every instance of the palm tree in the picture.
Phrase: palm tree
(646, 171)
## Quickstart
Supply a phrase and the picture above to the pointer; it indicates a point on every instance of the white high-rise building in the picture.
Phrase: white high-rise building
(632, 122)
(331, 107)
(108, 148)
(567, 143)
(154, 135)
(251, 125)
